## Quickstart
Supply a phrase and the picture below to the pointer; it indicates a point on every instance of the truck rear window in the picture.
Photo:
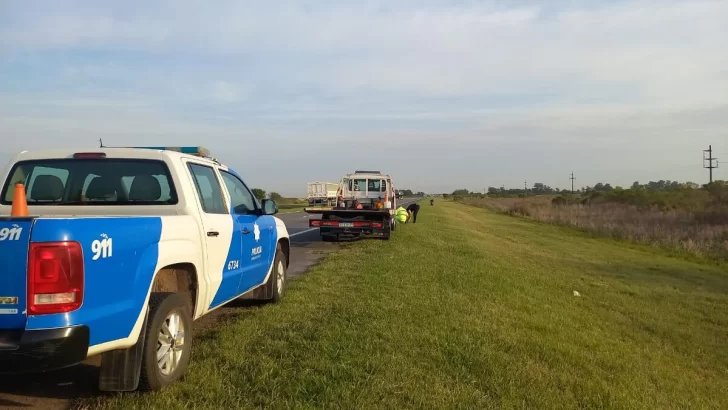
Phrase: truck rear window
(105, 181)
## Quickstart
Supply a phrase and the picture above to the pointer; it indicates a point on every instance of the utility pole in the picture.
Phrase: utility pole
(572, 182)
(710, 160)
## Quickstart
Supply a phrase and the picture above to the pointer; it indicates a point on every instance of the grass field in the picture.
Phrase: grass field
(472, 309)
(682, 218)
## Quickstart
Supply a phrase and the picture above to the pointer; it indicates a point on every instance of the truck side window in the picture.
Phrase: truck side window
(242, 200)
(208, 189)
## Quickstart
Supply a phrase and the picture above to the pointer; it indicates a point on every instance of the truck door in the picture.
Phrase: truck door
(221, 242)
(257, 233)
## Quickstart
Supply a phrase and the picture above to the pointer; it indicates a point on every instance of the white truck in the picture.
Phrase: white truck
(368, 208)
(116, 253)
(321, 193)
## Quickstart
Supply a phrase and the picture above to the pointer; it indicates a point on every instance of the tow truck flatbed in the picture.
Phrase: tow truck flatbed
(326, 210)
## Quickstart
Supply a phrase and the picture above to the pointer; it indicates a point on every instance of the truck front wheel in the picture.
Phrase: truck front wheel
(167, 345)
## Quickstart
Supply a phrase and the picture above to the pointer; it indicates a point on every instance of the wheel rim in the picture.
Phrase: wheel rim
(170, 343)
(279, 277)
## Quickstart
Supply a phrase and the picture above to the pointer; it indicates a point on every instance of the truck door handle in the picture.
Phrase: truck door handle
(213, 233)
(245, 231)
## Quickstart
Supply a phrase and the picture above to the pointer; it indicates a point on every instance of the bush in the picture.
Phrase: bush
(690, 220)
(559, 201)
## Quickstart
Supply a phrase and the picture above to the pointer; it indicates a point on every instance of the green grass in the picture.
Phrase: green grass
(471, 309)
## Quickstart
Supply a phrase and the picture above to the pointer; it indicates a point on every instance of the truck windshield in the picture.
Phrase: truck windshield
(105, 181)
(373, 185)
(360, 185)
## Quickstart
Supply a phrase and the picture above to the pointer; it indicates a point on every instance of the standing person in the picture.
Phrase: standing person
(412, 211)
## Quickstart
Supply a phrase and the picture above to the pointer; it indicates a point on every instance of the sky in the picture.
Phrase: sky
(441, 95)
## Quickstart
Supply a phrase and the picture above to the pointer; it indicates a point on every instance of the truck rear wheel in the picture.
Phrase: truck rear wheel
(388, 232)
(167, 345)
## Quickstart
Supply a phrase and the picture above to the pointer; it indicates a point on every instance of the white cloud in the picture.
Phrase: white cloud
(226, 92)
(599, 77)
(656, 49)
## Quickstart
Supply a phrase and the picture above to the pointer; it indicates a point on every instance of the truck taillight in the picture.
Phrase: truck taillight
(55, 277)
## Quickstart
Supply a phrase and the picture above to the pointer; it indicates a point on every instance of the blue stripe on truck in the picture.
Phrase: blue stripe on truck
(14, 238)
(120, 257)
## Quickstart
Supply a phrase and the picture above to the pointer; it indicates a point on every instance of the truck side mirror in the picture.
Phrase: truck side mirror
(269, 207)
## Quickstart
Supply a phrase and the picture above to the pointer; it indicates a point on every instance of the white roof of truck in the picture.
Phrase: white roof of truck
(111, 152)
(368, 174)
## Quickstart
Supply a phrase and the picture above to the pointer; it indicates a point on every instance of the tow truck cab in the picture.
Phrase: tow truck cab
(368, 188)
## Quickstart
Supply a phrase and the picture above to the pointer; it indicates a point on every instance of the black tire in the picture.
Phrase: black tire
(388, 233)
(272, 285)
(161, 306)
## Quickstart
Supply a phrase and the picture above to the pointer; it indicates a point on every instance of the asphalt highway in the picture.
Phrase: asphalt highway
(55, 390)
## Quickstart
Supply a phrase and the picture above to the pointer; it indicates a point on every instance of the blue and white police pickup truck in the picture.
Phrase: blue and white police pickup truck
(122, 249)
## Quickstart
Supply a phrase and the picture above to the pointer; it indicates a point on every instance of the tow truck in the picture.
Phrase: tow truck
(365, 208)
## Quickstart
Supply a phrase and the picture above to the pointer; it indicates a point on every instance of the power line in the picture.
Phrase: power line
(710, 160)
(572, 181)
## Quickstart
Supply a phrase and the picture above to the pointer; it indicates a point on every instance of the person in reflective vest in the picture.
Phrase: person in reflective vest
(401, 214)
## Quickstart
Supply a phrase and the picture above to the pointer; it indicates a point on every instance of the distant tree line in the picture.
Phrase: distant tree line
(543, 189)
(261, 195)
(408, 192)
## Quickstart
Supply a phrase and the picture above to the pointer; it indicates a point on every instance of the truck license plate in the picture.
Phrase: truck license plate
(346, 224)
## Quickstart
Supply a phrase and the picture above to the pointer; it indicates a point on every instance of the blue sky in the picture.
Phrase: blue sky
(440, 94)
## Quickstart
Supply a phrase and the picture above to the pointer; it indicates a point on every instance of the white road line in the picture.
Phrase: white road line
(291, 235)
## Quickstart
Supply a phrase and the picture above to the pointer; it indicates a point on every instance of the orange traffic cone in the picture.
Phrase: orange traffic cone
(20, 202)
